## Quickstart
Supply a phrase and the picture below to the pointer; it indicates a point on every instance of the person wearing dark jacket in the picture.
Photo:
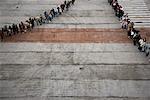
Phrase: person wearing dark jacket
(62, 7)
(65, 2)
(73, 1)
(58, 9)
(14, 28)
(68, 5)
(31, 20)
(21, 28)
(6, 30)
(2, 34)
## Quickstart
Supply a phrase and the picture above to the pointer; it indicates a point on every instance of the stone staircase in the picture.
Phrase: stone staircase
(50, 71)
(138, 12)
(81, 55)
(84, 14)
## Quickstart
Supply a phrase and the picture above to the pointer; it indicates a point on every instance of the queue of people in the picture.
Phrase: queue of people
(29, 24)
(128, 25)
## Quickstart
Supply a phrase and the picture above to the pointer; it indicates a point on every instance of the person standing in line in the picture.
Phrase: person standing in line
(56, 12)
(147, 49)
(41, 19)
(50, 17)
(67, 6)
(58, 9)
(73, 1)
(20, 28)
(32, 23)
(13, 29)
(6, 30)
(130, 27)
(17, 29)
(65, 2)
(23, 27)
(2, 34)
(62, 6)
(46, 15)
(10, 30)
(52, 13)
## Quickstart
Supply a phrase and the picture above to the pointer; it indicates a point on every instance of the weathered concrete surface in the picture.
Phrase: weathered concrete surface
(112, 69)
(76, 71)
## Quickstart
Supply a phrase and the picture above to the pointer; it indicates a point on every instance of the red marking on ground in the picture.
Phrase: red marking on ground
(88, 35)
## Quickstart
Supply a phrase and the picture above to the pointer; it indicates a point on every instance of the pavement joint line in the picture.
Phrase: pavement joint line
(77, 80)
(69, 51)
(82, 23)
(76, 64)
(88, 97)
(113, 64)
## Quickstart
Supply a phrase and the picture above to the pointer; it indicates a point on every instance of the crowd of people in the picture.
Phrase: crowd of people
(128, 25)
(29, 24)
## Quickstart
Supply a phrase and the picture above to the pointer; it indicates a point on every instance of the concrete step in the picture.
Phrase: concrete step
(73, 58)
(74, 55)
(75, 13)
(71, 88)
(86, 55)
(66, 47)
(75, 72)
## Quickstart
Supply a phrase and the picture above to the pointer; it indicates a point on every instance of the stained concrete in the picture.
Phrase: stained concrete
(71, 71)
(76, 71)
